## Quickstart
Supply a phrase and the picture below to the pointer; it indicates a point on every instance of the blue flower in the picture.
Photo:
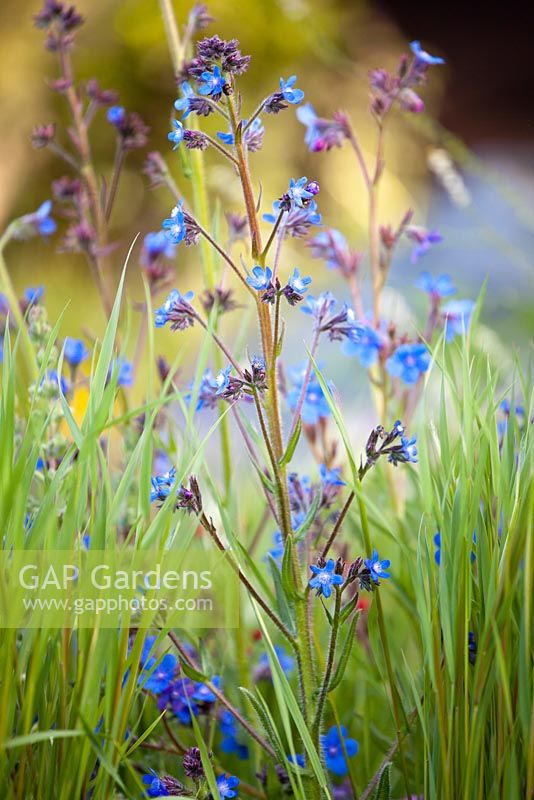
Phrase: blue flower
(203, 693)
(456, 316)
(290, 94)
(324, 578)
(75, 351)
(230, 743)
(207, 397)
(436, 287)
(40, 220)
(34, 294)
(315, 406)
(227, 138)
(155, 245)
(409, 362)
(178, 696)
(366, 345)
(125, 372)
(331, 477)
(177, 310)
(161, 676)
(226, 785)
(377, 568)
(408, 454)
(286, 662)
(212, 83)
(298, 284)
(334, 745)
(319, 307)
(299, 759)
(55, 381)
(422, 56)
(222, 380)
(261, 279)
(277, 551)
(184, 103)
(437, 542)
(161, 485)
(176, 135)
(175, 224)
(116, 115)
(321, 134)
(298, 192)
(424, 240)
(155, 787)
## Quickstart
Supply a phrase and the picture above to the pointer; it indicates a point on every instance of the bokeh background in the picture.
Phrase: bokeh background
(466, 166)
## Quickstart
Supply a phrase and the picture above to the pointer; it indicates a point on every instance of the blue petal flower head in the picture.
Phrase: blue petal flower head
(55, 381)
(409, 362)
(331, 477)
(175, 309)
(226, 785)
(324, 578)
(298, 192)
(441, 286)
(319, 307)
(315, 406)
(222, 380)
(437, 542)
(424, 240)
(321, 134)
(161, 485)
(116, 115)
(125, 372)
(34, 294)
(203, 693)
(227, 138)
(409, 450)
(230, 743)
(175, 224)
(212, 83)
(297, 283)
(178, 696)
(299, 759)
(422, 56)
(177, 134)
(183, 103)
(286, 661)
(334, 745)
(456, 315)
(291, 94)
(161, 677)
(44, 223)
(75, 351)
(377, 568)
(365, 346)
(155, 245)
(261, 278)
(154, 786)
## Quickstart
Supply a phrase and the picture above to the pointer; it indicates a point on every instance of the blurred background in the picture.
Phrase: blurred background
(465, 166)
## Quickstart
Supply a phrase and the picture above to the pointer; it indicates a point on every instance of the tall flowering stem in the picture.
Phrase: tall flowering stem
(270, 348)
(177, 50)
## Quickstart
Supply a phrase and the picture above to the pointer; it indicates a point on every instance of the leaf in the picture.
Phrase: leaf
(191, 672)
(261, 709)
(292, 444)
(301, 531)
(383, 790)
(288, 579)
(347, 609)
(344, 657)
(284, 608)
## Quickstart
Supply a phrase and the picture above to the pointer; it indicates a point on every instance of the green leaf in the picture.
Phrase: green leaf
(284, 607)
(292, 444)
(383, 790)
(288, 578)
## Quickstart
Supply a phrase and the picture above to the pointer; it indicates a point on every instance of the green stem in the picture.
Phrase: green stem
(316, 727)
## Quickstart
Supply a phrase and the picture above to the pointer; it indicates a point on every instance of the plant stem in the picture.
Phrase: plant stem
(117, 168)
(316, 727)
(222, 698)
(338, 524)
